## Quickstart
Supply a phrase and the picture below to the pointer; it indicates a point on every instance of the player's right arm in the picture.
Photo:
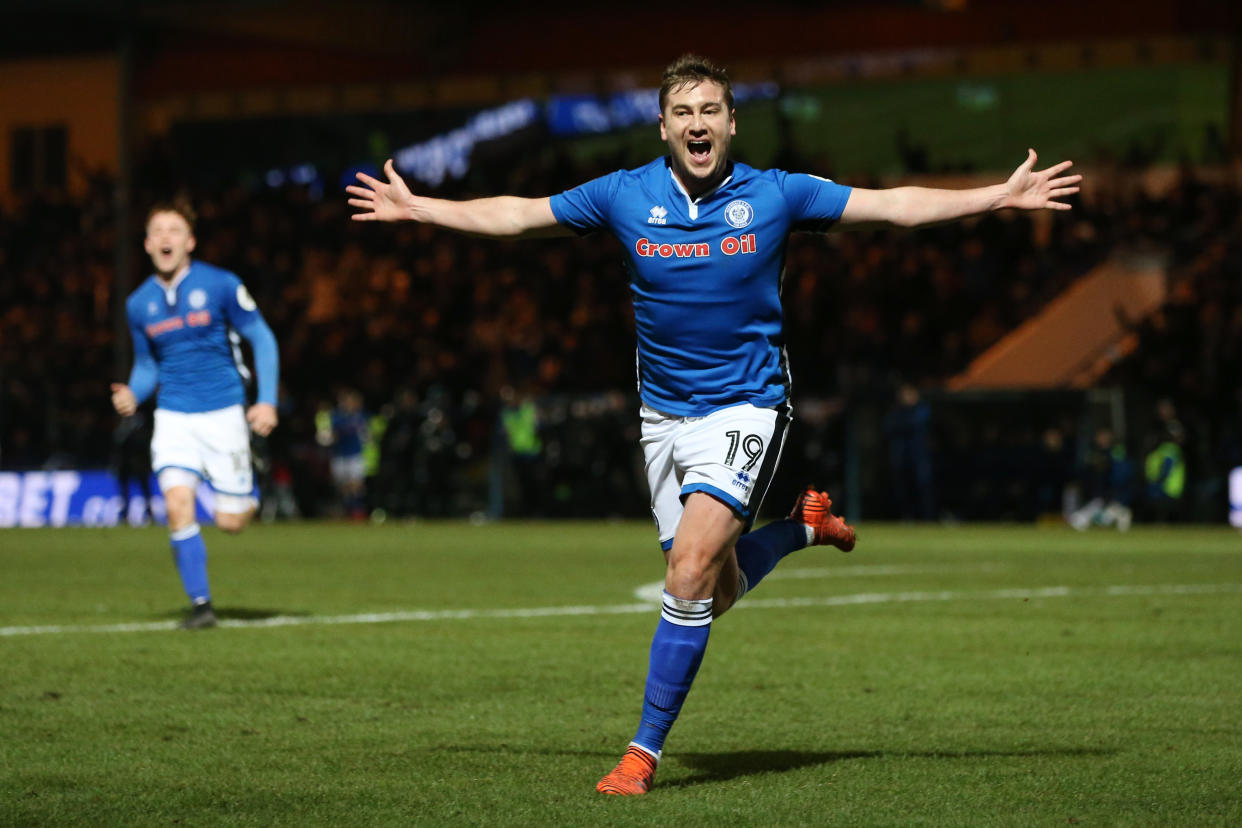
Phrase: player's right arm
(143, 377)
(499, 217)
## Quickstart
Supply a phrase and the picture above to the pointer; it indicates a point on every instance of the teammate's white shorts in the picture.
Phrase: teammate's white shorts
(730, 454)
(348, 469)
(214, 445)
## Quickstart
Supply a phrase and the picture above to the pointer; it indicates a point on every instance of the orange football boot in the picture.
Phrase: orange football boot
(632, 775)
(814, 509)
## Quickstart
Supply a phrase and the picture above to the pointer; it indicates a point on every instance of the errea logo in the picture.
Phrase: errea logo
(658, 216)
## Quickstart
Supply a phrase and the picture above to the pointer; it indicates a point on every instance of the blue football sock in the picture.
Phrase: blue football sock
(760, 551)
(676, 653)
(190, 555)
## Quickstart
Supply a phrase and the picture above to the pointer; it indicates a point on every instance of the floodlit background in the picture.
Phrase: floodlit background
(1019, 337)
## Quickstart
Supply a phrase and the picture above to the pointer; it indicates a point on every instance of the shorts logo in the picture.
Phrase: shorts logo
(198, 298)
(741, 480)
(658, 216)
(739, 214)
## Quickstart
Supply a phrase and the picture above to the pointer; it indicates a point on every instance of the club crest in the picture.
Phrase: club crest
(739, 214)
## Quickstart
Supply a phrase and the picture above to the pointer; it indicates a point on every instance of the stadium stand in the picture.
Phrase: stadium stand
(454, 321)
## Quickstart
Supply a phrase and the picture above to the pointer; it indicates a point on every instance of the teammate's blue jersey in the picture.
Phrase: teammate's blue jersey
(706, 276)
(182, 341)
(349, 430)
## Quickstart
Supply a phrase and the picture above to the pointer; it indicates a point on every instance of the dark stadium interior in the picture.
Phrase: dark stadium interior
(431, 327)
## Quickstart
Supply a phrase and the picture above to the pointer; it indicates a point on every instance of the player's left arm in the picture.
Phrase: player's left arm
(244, 316)
(143, 377)
(1026, 189)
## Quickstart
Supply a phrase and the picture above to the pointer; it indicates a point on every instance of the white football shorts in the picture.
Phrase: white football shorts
(730, 454)
(348, 469)
(215, 445)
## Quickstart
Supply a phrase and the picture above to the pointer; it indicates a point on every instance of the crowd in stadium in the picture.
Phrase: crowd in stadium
(434, 329)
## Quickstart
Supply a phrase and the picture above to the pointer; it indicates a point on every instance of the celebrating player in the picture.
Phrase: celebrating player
(182, 320)
(705, 238)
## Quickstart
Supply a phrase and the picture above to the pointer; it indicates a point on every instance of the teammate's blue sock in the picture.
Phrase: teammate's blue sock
(190, 555)
(759, 552)
(676, 653)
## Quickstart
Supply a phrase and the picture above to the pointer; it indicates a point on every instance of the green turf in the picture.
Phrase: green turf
(957, 704)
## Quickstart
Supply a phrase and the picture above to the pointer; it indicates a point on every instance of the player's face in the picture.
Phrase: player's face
(697, 125)
(169, 243)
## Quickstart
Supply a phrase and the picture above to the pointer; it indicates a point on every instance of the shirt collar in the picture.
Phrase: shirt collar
(170, 289)
(692, 204)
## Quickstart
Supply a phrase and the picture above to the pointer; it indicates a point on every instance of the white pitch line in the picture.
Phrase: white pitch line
(627, 609)
(864, 571)
(653, 592)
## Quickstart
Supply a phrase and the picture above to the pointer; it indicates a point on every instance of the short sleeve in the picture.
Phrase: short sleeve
(814, 203)
(587, 207)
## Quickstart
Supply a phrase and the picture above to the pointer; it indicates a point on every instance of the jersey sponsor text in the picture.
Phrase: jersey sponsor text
(729, 245)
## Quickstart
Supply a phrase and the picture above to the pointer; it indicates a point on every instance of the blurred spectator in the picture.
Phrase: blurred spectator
(345, 428)
(908, 429)
(522, 474)
(1106, 483)
(131, 464)
(1051, 473)
(439, 455)
(393, 489)
(372, 454)
(1165, 473)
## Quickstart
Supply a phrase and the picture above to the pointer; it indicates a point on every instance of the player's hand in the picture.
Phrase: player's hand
(262, 418)
(123, 400)
(1029, 190)
(378, 200)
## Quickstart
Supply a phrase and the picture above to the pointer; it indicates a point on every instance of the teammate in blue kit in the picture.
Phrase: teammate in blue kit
(706, 242)
(183, 321)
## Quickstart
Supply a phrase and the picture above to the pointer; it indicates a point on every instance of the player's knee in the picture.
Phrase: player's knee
(232, 523)
(694, 571)
(180, 509)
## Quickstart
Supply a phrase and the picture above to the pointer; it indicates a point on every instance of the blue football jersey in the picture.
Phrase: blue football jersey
(183, 341)
(705, 275)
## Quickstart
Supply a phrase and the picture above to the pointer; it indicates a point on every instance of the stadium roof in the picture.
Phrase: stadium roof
(194, 45)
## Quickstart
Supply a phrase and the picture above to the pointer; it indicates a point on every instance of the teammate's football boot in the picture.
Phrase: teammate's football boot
(814, 509)
(632, 775)
(201, 617)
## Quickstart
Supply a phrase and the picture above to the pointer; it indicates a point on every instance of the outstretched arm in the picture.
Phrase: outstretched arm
(501, 217)
(917, 206)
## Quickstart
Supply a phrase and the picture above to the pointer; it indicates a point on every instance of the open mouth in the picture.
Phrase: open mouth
(166, 251)
(700, 151)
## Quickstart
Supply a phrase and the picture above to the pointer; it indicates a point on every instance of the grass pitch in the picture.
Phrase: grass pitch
(448, 674)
